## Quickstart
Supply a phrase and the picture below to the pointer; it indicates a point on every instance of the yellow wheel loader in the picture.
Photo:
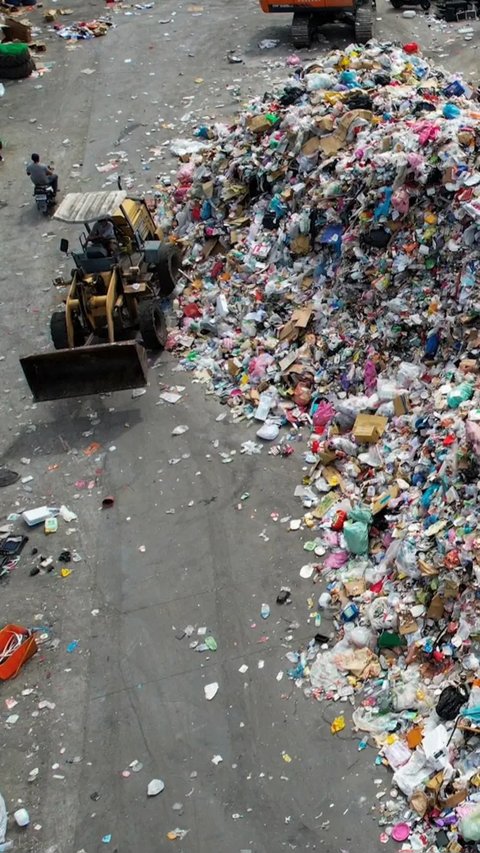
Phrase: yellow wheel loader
(122, 270)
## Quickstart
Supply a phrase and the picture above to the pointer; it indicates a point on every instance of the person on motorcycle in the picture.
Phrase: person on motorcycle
(41, 175)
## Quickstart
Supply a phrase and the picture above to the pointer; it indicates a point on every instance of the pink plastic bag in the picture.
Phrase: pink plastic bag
(185, 173)
(370, 378)
(336, 560)
(258, 366)
(324, 413)
(472, 432)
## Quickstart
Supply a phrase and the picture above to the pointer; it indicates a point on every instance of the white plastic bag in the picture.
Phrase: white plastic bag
(3, 819)
(411, 777)
(407, 374)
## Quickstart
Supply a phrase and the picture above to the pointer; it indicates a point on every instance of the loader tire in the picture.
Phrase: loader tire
(397, 4)
(8, 60)
(151, 321)
(302, 30)
(58, 331)
(168, 268)
(17, 72)
(363, 24)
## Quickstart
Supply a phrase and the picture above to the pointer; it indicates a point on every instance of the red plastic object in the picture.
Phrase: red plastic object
(411, 47)
(339, 520)
(12, 665)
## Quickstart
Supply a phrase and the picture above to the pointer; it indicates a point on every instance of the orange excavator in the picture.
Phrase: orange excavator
(309, 14)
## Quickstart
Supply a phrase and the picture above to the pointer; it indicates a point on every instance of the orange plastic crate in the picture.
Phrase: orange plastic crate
(11, 667)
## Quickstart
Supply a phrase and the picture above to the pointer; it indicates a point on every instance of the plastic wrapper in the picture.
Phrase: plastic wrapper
(469, 825)
(397, 754)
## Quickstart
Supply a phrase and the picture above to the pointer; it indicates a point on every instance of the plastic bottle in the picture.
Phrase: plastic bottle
(265, 611)
(22, 817)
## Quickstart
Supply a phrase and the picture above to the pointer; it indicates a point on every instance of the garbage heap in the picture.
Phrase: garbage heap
(332, 243)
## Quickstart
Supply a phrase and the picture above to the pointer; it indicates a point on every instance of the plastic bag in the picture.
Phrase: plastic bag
(407, 374)
(324, 673)
(411, 777)
(370, 378)
(406, 560)
(356, 536)
(368, 721)
(472, 433)
(361, 637)
(450, 701)
(405, 697)
(460, 394)
(258, 366)
(356, 530)
(380, 615)
(387, 389)
(323, 414)
(3, 819)
(469, 825)
(397, 754)
(319, 81)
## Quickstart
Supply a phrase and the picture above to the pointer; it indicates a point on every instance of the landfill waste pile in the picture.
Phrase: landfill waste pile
(332, 246)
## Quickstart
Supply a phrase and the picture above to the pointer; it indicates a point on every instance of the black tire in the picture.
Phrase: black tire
(363, 24)
(17, 72)
(168, 268)
(151, 321)
(9, 60)
(397, 4)
(58, 331)
(425, 5)
(302, 30)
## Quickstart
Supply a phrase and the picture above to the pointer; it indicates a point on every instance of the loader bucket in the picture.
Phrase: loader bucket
(86, 370)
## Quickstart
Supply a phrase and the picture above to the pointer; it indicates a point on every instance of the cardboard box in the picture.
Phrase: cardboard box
(17, 30)
(311, 146)
(299, 320)
(354, 587)
(384, 499)
(50, 14)
(437, 606)
(469, 365)
(234, 367)
(369, 428)
(426, 569)
(401, 405)
(407, 624)
(453, 801)
(259, 124)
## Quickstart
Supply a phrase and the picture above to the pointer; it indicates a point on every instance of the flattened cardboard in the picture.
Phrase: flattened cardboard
(384, 499)
(401, 405)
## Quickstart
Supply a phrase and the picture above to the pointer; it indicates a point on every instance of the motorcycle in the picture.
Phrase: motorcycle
(45, 198)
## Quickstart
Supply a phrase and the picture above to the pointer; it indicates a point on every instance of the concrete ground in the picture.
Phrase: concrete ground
(131, 688)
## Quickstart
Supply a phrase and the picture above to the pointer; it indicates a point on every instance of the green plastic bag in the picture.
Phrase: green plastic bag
(460, 394)
(356, 530)
(470, 825)
(13, 49)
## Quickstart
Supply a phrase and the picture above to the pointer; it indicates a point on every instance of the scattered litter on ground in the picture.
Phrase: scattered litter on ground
(331, 238)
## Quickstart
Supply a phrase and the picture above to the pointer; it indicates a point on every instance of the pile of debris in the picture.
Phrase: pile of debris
(332, 238)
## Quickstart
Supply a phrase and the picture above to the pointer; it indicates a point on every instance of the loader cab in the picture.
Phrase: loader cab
(132, 221)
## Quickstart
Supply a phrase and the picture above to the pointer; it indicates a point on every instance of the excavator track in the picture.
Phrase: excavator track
(363, 24)
(302, 29)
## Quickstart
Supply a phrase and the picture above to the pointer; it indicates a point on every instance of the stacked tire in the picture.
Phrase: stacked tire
(15, 66)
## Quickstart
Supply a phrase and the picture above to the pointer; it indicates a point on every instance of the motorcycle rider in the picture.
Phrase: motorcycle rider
(42, 175)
